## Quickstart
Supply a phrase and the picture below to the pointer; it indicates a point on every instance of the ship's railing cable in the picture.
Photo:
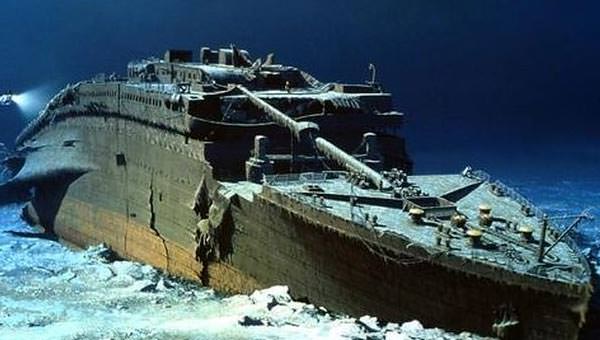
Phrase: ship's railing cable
(584, 215)
(505, 190)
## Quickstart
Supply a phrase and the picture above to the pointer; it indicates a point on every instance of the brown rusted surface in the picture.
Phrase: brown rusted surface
(128, 239)
(154, 165)
(326, 264)
(137, 242)
(226, 278)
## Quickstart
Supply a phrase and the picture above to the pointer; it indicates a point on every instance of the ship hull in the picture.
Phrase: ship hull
(328, 263)
(139, 199)
(150, 190)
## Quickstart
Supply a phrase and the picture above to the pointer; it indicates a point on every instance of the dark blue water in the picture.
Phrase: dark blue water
(510, 87)
(479, 76)
(568, 197)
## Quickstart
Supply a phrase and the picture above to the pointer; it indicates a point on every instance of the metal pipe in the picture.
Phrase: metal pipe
(279, 117)
(331, 151)
(542, 239)
(351, 163)
(564, 233)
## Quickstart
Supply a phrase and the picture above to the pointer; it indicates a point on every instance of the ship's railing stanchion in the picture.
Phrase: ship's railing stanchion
(505, 190)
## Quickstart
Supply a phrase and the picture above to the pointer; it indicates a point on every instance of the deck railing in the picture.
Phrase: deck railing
(505, 190)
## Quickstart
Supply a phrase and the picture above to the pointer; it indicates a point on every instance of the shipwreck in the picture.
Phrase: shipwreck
(242, 174)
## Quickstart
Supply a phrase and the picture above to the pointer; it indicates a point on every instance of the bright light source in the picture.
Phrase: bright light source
(31, 102)
(6, 99)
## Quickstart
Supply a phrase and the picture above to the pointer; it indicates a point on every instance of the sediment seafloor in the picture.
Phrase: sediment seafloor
(49, 291)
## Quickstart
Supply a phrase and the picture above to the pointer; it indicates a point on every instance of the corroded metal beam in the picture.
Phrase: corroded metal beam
(327, 148)
(583, 216)
(279, 117)
(351, 163)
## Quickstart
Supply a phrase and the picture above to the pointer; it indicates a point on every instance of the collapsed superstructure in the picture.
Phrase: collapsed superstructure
(243, 174)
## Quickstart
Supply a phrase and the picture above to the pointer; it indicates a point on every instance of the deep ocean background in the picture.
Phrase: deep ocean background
(511, 87)
(504, 85)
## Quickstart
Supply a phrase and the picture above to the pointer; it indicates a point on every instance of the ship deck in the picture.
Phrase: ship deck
(501, 246)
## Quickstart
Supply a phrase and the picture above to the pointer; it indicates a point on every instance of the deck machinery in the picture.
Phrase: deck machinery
(243, 174)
